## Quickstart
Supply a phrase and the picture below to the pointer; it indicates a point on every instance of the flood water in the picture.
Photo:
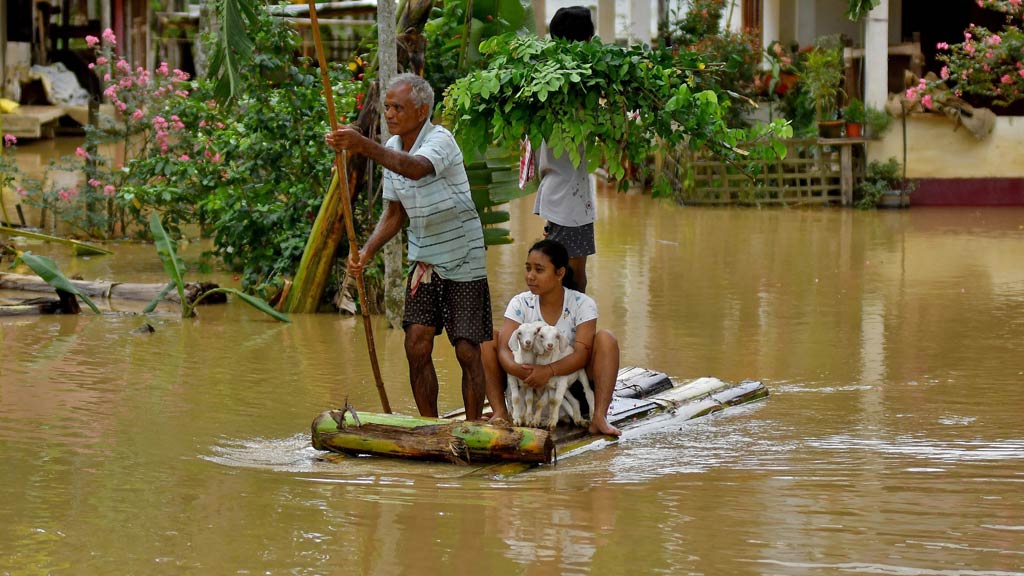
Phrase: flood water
(892, 344)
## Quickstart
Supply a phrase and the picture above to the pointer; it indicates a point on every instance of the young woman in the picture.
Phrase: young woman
(551, 298)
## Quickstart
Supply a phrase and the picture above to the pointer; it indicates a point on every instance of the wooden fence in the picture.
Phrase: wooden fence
(809, 174)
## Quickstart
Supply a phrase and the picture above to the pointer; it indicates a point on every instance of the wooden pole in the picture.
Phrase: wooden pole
(341, 169)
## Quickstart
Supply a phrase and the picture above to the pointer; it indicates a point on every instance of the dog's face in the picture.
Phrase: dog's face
(523, 337)
(548, 339)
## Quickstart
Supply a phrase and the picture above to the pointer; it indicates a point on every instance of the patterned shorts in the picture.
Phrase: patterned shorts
(464, 308)
(578, 240)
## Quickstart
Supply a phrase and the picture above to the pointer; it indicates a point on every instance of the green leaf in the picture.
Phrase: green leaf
(156, 301)
(169, 257)
(47, 269)
(255, 302)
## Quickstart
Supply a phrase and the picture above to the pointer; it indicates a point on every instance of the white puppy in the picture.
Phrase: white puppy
(521, 342)
(550, 346)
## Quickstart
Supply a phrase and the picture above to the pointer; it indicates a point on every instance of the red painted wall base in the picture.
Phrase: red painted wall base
(968, 192)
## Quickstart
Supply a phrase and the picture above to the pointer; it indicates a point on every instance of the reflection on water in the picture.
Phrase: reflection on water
(891, 343)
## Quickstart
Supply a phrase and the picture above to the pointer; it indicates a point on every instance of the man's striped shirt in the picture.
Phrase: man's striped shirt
(444, 227)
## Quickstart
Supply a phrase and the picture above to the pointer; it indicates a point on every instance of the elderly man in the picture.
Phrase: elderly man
(426, 184)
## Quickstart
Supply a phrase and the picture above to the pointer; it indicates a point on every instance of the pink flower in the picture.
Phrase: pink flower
(81, 153)
(108, 190)
(184, 158)
(1006, 79)
(911, 94)
(101, 60)
(91, 41)
(1021, 72)
(95, 183)
(944, 72)
(994, 39)
(942, 46)
(10, 140)
(138, 114)
(108, 36)
(927, 101)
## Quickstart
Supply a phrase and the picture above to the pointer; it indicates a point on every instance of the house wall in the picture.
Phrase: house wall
(952, 167)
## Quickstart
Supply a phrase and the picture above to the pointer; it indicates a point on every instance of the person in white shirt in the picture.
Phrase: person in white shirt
(552, 299)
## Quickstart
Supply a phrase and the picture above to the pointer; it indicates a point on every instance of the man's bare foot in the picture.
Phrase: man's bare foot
(601, 426)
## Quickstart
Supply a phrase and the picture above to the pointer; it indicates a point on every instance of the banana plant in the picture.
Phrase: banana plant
(176, 270)
(494, 181)
(47, 269)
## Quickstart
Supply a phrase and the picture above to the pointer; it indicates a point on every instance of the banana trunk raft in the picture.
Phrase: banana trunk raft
(642, 398)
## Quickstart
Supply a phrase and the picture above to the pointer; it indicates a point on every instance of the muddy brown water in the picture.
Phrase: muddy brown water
(892, 442)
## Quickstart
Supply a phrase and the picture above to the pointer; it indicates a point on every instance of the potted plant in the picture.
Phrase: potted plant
(822, 74)
(855, 116)
(876, 122)
(884, 186)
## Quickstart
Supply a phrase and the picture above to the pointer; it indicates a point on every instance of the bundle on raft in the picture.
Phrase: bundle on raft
(436, 439)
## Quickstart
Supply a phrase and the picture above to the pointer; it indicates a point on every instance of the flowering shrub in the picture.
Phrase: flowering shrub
(731, 56)
(251, 173)
(986, 64)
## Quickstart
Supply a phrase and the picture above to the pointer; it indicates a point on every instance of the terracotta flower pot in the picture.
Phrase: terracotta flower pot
(854, 129)
(830, 128)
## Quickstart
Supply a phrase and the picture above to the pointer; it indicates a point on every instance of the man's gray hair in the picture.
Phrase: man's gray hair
(419, 88)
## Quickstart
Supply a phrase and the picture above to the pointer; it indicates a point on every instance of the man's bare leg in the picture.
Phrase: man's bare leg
(419, 345)
(468, 355)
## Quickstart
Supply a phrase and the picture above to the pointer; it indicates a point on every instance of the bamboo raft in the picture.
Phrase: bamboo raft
(642, 398)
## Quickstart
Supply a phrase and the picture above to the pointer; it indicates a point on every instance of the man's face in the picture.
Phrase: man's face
(404, 118)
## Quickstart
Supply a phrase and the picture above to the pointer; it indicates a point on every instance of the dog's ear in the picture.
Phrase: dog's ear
(513, 341)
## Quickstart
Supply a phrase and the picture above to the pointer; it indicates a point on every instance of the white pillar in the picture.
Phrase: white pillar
(640, 21)
(772, 15)
(606, 20)
(105, 11)
(876, 56)
(540, 17)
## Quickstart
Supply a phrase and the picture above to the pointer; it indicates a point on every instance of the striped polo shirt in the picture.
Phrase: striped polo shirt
(444, 227)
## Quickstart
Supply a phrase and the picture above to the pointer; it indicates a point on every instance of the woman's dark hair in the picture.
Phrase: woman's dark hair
(572, 23)
(559, 257)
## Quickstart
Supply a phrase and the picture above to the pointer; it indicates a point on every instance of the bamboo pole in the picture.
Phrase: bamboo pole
(341, 172)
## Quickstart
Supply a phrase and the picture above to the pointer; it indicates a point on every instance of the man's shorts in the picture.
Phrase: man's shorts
(463, 308)
(578, 240)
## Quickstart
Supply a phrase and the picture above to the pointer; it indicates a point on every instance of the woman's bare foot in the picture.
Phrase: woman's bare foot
(600, 425)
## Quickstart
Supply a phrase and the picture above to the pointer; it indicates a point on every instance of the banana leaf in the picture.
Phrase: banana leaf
(255, 302)
(169, 257)
(48, 271)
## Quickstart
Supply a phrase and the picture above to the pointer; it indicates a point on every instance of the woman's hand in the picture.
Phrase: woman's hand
(537, 376)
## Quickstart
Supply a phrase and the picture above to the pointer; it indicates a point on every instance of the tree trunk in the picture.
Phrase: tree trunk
(112, 290)
(435, 439)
